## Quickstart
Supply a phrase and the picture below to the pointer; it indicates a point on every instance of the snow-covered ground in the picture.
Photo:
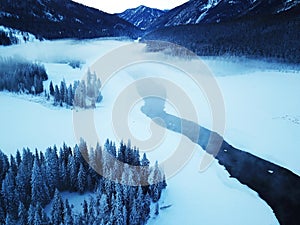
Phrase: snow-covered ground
(75, 201)
(262, 117)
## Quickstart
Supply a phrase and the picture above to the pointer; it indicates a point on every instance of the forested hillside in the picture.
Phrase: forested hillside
(274, 37)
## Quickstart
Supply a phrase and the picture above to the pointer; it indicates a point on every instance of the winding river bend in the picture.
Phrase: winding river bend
(277, 186)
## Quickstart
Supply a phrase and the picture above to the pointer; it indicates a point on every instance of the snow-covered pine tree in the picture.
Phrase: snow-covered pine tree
(18, 158)
(23, 182)
(80, 95)
(134, 217)
(156, 182)
(52, 169)
(4, 165)
(13, 165)
(38, 217)
(31, 214)
(51, 89)
(22, 214)
(63, 91)
(73, 173)
(70, 95)
(104, 208)
(85, 210)
(68, 214)
(125, 215)
(39, 189)
(57, 209)
(57, 98)
(145, 171)
(8, 193)
(91, 211)
(82, 180)
(64, 181)
(118, 208)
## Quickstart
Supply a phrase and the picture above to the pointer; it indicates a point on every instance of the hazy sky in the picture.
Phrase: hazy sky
(115, 6)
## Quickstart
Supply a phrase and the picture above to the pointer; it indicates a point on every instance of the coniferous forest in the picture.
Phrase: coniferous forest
(20, 75)
(30, 180)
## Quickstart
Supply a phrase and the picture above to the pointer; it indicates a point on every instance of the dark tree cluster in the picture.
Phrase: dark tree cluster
(83, 94)
(7, 39)
(63, 94)
(29, 181)
(19, 75)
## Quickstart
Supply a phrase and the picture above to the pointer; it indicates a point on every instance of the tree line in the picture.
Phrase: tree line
(83, 94)
(21, 76)
(29, 181)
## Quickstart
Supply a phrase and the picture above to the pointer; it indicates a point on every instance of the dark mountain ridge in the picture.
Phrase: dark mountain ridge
(216, 11)
(53, 19)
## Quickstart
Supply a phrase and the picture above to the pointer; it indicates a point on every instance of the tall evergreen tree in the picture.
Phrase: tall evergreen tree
(23, 181)
(134, 218)
(52, 169)
(4, 165)
(31, 214)
(73, 173)
(39, 189)
(22, 214)
(70, 95)
(82, 180)
(38, 217)
(13, 165)
(57, 210)
(156, 182)
(68, 214)
(57, 95)
(104, 208)
(18, 158)
(51, 89)
(63, 91)
(118, 208)
(8, 192)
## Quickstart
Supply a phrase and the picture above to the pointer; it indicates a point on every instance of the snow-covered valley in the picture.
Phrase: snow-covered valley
(262, 115)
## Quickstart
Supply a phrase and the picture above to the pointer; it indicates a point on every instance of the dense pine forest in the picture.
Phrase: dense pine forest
(20, 75)
(30, 180)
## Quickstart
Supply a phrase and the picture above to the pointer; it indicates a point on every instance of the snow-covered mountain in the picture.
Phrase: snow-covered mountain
(260, 28)
(141, 16)
(215, 11)
(53, 19)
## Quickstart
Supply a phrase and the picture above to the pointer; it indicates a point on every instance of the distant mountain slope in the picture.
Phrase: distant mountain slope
(215, 11)
(273, 37)
(141, 16)
(10, 36)
(53, 19)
